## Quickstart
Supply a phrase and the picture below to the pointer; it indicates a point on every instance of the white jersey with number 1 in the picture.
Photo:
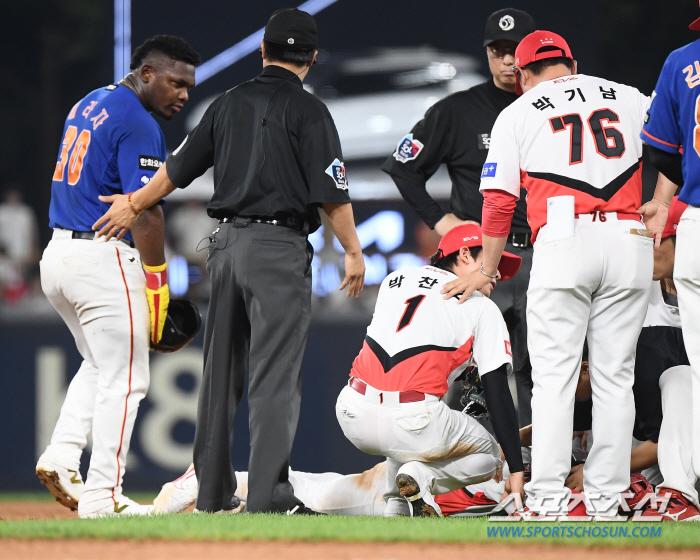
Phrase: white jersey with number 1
(419, 341)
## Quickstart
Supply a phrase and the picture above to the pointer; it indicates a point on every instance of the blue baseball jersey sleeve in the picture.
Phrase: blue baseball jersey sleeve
(674, 116)
(111, 145)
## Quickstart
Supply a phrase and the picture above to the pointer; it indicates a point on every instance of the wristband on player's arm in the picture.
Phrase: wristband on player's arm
(669, 164)
(158, 295)
(502, 415)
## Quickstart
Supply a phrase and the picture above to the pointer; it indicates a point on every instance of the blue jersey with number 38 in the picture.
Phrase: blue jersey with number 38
(674, 117)
(111, 145)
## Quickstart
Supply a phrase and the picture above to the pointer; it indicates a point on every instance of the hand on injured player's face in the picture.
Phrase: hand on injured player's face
(575, 479)
(118, 219)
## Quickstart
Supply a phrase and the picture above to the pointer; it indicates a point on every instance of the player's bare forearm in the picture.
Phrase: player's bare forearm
(645, 455)
(149, 234)
(342, 223)
(493, 251)
(665, 190)
(466, 285)
(126, 209)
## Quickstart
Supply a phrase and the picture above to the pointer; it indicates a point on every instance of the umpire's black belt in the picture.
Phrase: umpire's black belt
(521, 240)
(91, 236)
(288, 222)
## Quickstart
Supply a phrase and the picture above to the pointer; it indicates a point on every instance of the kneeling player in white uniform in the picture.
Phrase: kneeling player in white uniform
(416, 345)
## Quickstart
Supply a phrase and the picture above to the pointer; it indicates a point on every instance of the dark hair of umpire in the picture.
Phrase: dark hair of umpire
(276, 52)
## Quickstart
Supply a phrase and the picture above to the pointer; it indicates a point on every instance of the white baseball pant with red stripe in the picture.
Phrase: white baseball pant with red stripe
(98, 288)
(593, 284)
(686, 276)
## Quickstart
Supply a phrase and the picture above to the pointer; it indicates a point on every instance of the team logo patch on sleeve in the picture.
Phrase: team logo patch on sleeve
(150, 163)
(336, 170)
(489, 170)
(407, 149)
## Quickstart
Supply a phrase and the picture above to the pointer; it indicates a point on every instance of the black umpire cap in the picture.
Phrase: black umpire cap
(508, 25)
(292, 28)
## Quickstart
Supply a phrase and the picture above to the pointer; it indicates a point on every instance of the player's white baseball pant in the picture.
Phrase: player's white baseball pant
(332, 493)
(98, 288)
(675, 449)
(592, 284)
(686, 276)
(442, 449)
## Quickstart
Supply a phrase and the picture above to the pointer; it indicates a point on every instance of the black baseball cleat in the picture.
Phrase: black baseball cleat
(301, 509)
(423, 506)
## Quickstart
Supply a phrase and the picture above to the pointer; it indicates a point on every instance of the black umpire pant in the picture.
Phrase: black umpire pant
(258, 322)
(511, 299)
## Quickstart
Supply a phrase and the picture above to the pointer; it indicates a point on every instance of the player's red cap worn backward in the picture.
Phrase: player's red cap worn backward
(539, 45)
(469, 235)
(674, 216)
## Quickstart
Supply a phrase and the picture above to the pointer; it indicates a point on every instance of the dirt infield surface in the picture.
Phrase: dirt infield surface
(188, 550)
(17, 511)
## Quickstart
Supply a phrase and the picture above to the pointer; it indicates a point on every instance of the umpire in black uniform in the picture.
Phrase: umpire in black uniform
(277, 158)
(456, 131)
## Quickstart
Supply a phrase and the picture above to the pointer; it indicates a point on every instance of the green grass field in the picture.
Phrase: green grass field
(199, 527)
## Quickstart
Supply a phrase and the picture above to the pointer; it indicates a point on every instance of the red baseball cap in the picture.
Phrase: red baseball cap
(539, 45)
(674, 216)
(469, 235)
(695, 26)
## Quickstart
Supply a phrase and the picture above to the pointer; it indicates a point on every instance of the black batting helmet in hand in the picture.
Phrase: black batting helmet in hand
(182, 324)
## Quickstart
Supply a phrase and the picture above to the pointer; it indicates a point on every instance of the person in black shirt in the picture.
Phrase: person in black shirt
(456, 131)
(277, 159)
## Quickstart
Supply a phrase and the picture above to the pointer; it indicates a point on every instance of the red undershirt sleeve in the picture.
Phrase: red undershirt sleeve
(497, 213)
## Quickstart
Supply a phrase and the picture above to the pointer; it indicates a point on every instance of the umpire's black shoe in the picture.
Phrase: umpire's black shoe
(301, 509)
(235, 506)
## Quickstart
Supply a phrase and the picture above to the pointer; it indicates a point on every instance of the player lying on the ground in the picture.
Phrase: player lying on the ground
(416, 345)
(353, 494)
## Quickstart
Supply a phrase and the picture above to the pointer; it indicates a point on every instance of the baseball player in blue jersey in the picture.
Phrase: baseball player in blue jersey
(673, 133)
(111, 144)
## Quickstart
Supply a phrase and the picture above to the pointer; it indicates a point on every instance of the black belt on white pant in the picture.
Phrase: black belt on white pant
(91, 236)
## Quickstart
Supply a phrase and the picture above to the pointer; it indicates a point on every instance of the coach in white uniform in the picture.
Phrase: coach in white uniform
(573, 142)
(415, 346)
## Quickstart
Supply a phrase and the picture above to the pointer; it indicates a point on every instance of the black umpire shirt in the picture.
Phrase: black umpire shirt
(274, 148)
(455, 131)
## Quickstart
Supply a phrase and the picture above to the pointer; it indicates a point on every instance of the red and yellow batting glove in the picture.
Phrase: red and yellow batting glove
(158, 296)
